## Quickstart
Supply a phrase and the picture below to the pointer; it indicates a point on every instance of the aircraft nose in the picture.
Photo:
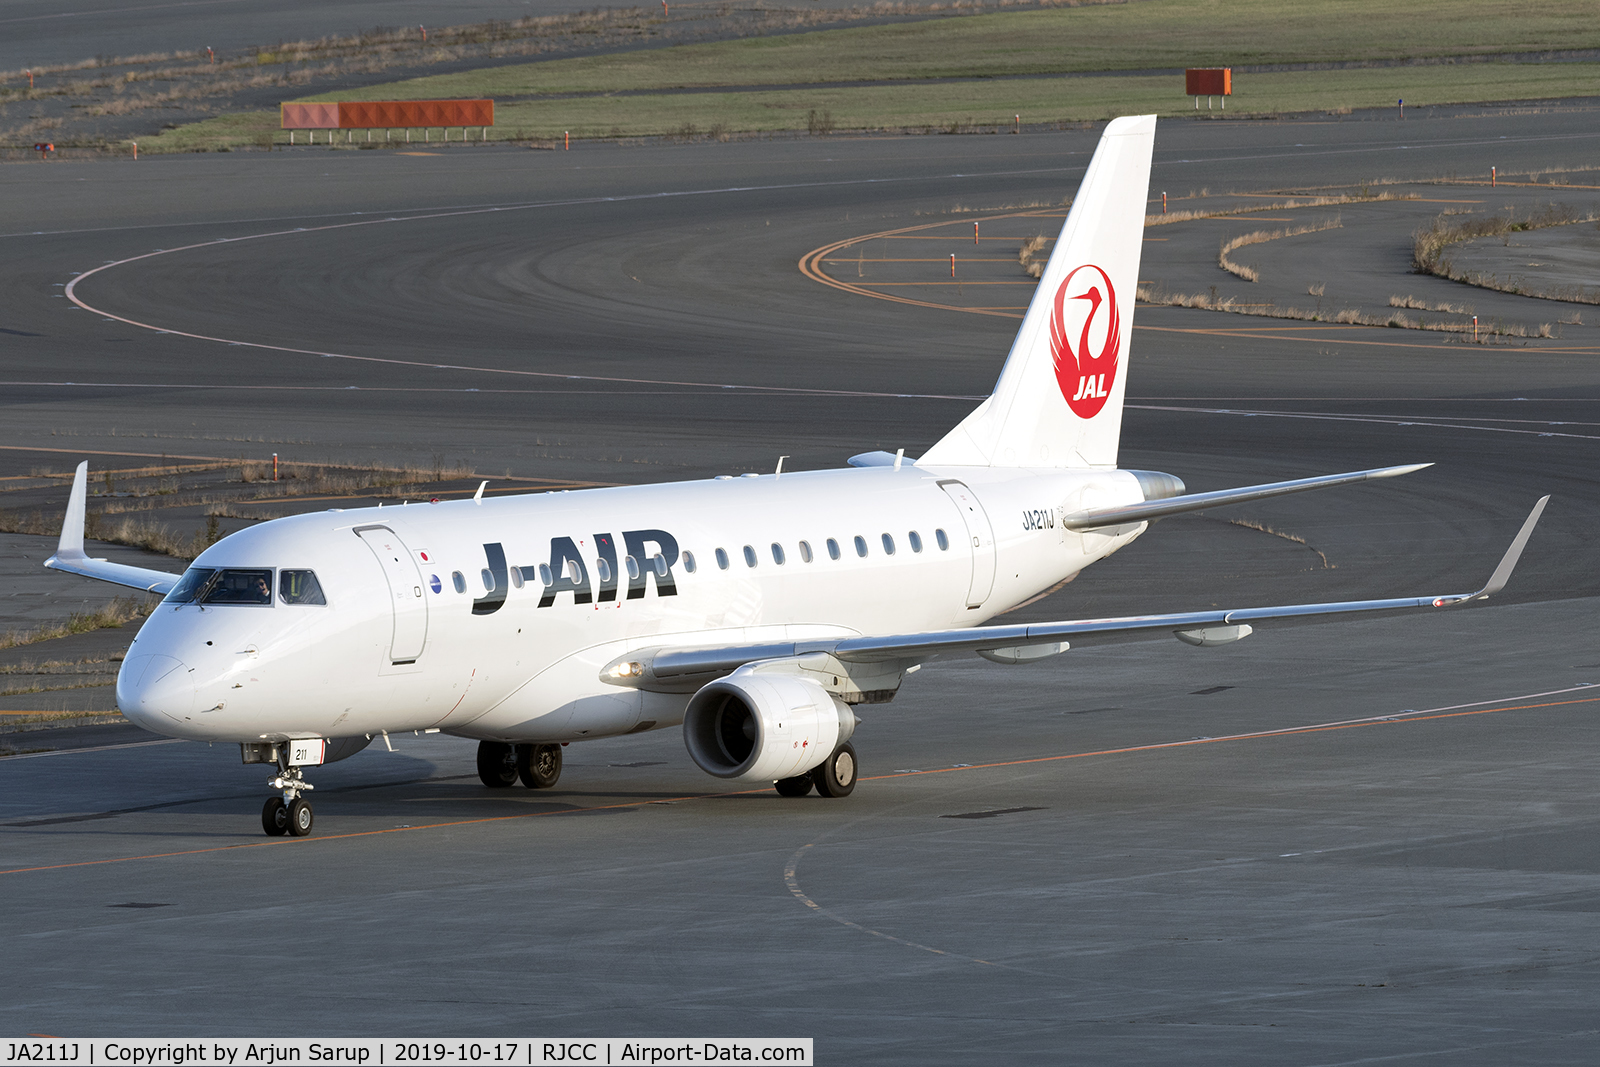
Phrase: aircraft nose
(153, 689)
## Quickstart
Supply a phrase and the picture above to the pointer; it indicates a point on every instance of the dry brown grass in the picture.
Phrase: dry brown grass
(1250, 274)
(230, 510)
(1282, 205)
(85, 665)
(115, 612)
(1349, 316)
(295, 478)
(143, 533)
(1414, 304)
(44, 687)
(1031, 256)
(137, 533)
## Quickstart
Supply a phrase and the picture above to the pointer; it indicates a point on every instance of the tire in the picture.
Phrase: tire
(794, 787)
(300, 817)
(497, 764)
(837, 775)
(539, 766)
(275, 817)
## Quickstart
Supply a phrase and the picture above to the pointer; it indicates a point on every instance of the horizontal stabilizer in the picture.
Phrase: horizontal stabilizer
(71, 558)
(1177, 505)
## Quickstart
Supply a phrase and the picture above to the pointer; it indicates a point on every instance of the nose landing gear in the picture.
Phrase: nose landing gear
(291, 813)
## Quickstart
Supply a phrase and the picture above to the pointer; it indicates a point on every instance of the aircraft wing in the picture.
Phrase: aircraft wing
(70, 557)
(671, 669)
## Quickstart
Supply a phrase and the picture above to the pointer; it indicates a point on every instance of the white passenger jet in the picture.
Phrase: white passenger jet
(759, 612)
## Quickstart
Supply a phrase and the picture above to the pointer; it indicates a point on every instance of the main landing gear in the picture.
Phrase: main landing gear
(500, 765)
(836, 777)
(291, 813)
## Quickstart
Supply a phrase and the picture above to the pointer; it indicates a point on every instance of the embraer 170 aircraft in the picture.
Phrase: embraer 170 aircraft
(756, 611)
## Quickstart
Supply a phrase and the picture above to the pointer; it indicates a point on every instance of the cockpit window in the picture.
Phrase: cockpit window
(300, 587)
(238, 586)
(193, 580)
(252, 585)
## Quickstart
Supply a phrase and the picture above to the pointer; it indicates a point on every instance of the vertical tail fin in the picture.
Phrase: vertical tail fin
(1058, 402)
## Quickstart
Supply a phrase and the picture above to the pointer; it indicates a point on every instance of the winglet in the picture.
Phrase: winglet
(1508, 562)
(71, 544)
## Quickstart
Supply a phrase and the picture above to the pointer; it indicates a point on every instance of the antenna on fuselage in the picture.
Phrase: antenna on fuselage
(477, 498)
(779, 472)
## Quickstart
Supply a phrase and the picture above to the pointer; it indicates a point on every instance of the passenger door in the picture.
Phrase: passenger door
(980, 541)
(405, 592)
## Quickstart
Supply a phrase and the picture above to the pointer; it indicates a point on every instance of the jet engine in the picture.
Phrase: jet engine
(763, 727)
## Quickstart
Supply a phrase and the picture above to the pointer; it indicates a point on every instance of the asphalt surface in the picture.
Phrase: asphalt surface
(1396, 889)
(1562, 261)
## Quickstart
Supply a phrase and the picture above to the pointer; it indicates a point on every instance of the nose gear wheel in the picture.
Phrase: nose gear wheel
(290, 813)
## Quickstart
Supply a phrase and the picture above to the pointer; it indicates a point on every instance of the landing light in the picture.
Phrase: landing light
(626, 670)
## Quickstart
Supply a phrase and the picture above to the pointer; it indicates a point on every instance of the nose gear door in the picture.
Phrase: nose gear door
(980, 541)
(405, 592)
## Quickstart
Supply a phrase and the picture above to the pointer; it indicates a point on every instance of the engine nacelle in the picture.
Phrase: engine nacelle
(763, 727)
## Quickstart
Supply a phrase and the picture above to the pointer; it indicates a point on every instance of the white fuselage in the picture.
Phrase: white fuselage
(397, 647)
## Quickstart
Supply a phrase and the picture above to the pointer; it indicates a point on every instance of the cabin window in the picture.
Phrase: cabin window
(516, 577)
(633, 568)
(777, 553)
(749, 556)
(459, 580)
(659, 562)
(833, 549)
(194, 579)
(688, 561)
(488, 579)
(888, 544)
(722, 559)
(916, 541)
(944, 542)
(805, 551)
(861, 546)
(603, 569)
(299, 587)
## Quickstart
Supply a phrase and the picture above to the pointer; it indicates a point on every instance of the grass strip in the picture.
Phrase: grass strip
(114, 612)
(956, 107)
(1103, 37)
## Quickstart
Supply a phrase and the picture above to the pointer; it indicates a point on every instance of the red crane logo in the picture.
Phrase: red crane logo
(1085, 375)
